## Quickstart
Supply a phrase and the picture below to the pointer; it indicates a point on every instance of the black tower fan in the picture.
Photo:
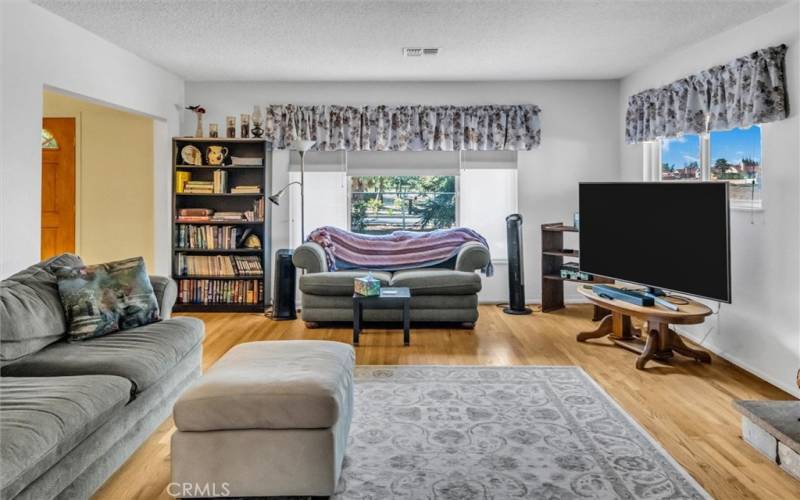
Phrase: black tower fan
(283, 302)
(516, 277)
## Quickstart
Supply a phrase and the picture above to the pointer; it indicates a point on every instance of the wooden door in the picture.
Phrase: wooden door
(58, 186)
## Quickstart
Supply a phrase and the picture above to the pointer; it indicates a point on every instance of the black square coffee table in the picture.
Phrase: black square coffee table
(390, 298)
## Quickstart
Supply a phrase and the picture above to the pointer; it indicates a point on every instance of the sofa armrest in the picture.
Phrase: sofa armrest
(471, 257)
(166, 293)
(311, 257)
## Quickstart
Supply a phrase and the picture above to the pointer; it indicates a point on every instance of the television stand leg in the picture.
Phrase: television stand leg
(605, 327)
(681, 348)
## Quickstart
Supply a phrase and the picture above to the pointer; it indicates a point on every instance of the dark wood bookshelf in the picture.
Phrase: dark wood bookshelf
(553, 254)
(223, 202)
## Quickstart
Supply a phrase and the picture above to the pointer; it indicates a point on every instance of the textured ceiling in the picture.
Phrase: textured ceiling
(208, 40)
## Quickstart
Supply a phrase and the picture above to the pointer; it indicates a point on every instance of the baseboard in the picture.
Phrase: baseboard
(793, 390)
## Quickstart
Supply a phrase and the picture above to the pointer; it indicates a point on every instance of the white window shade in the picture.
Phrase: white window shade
(326, 202)
(319, 161)
(402, 163)
(488, 194)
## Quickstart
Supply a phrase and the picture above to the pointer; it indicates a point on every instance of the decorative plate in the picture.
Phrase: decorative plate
(191, 155)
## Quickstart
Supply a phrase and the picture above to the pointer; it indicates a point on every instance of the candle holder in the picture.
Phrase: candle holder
(258, 122)
(213, 130)
(245, 125)
(230, 127)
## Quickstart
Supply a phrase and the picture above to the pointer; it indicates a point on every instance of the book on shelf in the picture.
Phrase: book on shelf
(199, 291)
(195, 211)
(246, 161)
(246, 189)
(193, 218)
(227, 216)
(219, 265)
(199, 187)
(258, 212)
(220, 181)
(181, 178)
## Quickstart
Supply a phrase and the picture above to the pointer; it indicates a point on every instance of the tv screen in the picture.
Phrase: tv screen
(668, 235)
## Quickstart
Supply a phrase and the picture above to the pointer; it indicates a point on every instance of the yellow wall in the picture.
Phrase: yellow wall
(114, 180)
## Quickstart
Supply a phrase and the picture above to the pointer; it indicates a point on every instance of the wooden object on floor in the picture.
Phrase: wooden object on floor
(553, 253)
(222, 288)
(694, 420)
(661, 342)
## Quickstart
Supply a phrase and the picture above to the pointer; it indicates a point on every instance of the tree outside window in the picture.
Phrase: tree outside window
(382, 204)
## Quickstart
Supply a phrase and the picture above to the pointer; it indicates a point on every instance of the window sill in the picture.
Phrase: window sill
(747, 207)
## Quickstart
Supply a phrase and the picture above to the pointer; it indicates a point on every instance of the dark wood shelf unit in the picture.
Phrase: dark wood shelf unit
(553, 254)
(226, 202)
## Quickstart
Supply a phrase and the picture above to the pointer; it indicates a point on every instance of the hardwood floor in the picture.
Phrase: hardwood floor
(685, 405)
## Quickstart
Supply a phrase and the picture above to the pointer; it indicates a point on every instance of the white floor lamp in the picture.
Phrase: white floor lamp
(301, 147)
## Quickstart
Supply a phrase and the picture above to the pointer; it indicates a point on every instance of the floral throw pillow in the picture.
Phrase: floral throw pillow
(105, 298)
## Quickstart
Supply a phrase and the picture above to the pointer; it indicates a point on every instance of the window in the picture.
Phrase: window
(736, 158)
(733, 156)
(382, 204)
(680, 158)
(48, 141)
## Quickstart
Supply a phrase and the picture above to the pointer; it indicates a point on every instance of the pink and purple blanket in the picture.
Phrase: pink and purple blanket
(395, 251)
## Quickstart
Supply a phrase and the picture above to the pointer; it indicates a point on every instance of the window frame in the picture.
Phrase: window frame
(348, 177)
(653, 165)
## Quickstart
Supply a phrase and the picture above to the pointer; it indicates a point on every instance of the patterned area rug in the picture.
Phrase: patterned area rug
(455, 432)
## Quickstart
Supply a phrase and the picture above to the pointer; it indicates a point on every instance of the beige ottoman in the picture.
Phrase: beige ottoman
(268, 419)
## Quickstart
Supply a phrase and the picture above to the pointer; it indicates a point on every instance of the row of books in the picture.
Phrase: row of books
(199, 215)
(220, 181)
(220, 292)
(210, 237)
(218, 265)
(258, 212)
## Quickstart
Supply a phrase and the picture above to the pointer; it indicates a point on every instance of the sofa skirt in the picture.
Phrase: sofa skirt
(424, 308)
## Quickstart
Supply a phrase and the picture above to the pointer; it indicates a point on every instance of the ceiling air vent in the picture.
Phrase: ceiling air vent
(419, 51)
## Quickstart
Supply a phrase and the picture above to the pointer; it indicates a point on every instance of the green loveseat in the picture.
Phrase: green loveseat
(446, 294)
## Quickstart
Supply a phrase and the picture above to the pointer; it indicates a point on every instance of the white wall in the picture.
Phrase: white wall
(577, 142)
(760, 330)
(40, 49)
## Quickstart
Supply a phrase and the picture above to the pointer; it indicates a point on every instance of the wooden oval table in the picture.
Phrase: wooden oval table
(661, 341)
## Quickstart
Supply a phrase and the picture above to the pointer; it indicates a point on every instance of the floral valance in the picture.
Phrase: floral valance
(405, 128)
(744, 92)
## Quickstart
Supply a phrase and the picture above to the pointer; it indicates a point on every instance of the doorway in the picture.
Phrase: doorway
(58, 187)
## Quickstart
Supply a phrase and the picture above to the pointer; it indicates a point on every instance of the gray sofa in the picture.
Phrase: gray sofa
(72, 413)
(448, 293)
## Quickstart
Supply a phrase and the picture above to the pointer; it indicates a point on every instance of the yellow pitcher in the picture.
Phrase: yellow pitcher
(216, 154)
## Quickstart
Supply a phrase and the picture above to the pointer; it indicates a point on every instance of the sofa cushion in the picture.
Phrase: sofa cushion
(338, 282)
(142, 355)
(437, 282)
(293, 384)
(31, 314)
(105, 298)
(43, 418)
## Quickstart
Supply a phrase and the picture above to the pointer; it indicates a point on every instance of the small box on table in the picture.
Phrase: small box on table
(367, 286)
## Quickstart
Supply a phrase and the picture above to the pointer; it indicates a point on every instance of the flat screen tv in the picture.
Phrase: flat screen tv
(665, 235)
